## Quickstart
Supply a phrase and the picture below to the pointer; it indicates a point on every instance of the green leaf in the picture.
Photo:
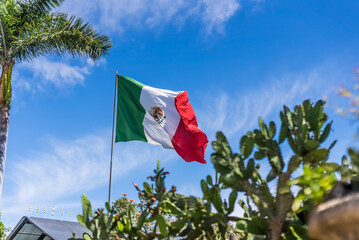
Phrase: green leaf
(346, 174)
(147, 187)
(209, 180)
(81, 220)
(288, 116)
(229, 181)
(194, 234)
(179, 224)
(345, 161)
(263, 128)
(332, 145)
(120, 226)
(331, 167)
(108, 207)
(243, 205)
(216, 199)
(141, 234)
(292, 144)
(205, 190)
(242, 225)
(142, 219)
(221, 145)
(307, 106)
(305, 130)
(86, 206)
(87, 236)
(311, 145)
(161, 222)
(272, 129)
(250, 168)
(299, 112)
(86, 210)
(221, 169)
(299, 232)
(297, 203)
(315, 116)
(294, 163)
(258, 226)
(276, 163)
(259, 155)
(283, 129)
(271, 175)
(173, 209)
(325, 133)
(246, 146)
(232, 200)
(158, 165)
(316, 156)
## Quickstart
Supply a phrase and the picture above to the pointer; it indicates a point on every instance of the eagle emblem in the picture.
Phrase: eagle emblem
(158, 114)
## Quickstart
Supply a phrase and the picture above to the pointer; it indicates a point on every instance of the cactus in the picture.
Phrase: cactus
(102, 225)
(305, 129)
(278, 214)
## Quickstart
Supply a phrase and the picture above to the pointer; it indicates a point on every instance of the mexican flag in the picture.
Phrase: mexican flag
(159, 117)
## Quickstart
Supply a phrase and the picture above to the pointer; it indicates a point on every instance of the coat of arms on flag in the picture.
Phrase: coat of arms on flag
(158, 114)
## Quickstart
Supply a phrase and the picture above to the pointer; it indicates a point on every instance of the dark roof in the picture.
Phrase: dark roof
(33, 228)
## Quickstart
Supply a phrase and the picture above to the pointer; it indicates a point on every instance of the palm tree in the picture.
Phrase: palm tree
(30, 28)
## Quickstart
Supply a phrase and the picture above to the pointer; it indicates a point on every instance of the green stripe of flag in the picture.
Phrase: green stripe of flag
(130, 113)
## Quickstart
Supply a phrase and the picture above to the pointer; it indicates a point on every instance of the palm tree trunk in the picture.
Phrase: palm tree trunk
(4, 128)
(5, 99)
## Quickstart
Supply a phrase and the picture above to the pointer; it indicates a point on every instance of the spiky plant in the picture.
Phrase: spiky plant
(29, 29)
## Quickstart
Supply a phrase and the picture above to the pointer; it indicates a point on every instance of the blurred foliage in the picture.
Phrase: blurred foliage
(350, 169)
(350, 108)
(3, 230)
(275, 206)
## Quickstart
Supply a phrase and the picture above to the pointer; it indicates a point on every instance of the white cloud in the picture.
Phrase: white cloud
(58, 73)
(69, 168)
(44, 72)
(61, 170)
(22, 83)
(240, 111)
(163, 11)
(113, 15)
(258, 5)
(217, 13)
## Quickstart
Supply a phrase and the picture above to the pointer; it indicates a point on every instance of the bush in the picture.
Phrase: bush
(3, 230)
(271, 211)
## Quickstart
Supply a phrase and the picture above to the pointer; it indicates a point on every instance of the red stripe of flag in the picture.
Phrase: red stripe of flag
(189, 141)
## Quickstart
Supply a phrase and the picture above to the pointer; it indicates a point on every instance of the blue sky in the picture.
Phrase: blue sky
(238, 60)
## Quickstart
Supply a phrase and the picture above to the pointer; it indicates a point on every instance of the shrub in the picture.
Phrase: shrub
(275, 206)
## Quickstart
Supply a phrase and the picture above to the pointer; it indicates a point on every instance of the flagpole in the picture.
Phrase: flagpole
(113, 130)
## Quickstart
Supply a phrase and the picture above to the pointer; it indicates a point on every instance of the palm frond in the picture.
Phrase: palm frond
(39, 5)
(60, 34)
(17, 14)
(35, 8)
(7, 19)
